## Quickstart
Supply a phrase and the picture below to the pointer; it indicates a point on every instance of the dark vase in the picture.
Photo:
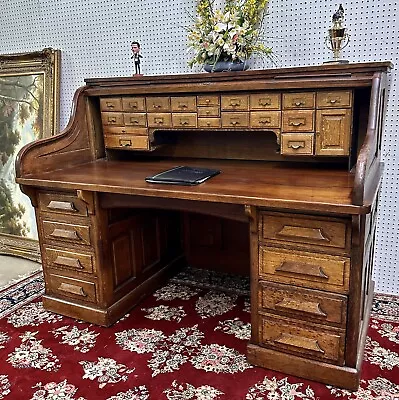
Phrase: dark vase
(225, 66)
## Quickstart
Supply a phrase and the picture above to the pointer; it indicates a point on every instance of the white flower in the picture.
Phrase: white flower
(219, 27)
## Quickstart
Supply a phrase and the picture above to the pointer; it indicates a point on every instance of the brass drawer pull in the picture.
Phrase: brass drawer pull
(68, 262)
(302, 269)
(265, 102)
(235, 102)
(134, 121)
(73, 289)
(110, 105)
(111, 120)
(296, 146)
(156, 105)
(298, 232)
(299, 342)
(125, 143)
(298, 123)
(182, 105)
(234, 122)
(133, 105)
(298, 103)
(183, 122)
(158, 121)
(65, 234)
(307, 307)
(265, 121)
(333, 101)
(62, 206)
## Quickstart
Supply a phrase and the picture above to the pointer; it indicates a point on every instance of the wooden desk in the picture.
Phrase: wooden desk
(294, 206)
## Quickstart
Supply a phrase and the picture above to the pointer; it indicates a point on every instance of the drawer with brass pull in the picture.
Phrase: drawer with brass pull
(184, 104)
(234, 102)
(322, 232)
(184, 120)
(265, 119)
(208, 100)
(297, 143)
(334, 99)
(208, 122)
(208, 111)
(265, 101)
(298, 121)
(63, 232)
(158, 104)
(62, 203)
(305, 304)
(159, 120)
(311, 341)
(300, 268)
(128, 142)
(135, 119)
(68, 260)
(111, 104)
(235, 119)
(125, 130)
(112, 118)
(298, 100)
(133, 104)
(74, 288)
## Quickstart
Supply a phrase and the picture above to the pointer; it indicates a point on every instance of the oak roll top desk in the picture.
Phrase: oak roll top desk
(294, 206)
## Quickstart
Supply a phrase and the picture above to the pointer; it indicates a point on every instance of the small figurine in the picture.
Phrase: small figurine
(338, 16)
(136, 57)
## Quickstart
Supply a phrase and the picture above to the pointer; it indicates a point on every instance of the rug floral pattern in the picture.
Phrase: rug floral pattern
(180, 343)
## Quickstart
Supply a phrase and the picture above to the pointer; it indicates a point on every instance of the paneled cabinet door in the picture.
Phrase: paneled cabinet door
(333, 132)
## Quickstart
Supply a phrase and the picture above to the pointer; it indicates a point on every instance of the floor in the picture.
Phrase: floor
(13, 269)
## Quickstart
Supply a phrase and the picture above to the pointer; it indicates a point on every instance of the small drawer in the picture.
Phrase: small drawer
(112, 118)
(77, 289)
(298, 121)
(208, 100)
(238, 102)
(208, 122)
(72, 261)
(184, 104)
(111, 104)
(265, 101)
(159, 120)
(265, 119)
(297, 144)
(60, 203)
(208, 111)
(125, 130)
(235, 120)
(305, 230)
(135, 119)
(184, 120)
(312, 270)
(335, 99)
(128, 142)
(133, 104)
(299, 100)
(304, 304)
(311, 341)
(69, 233)
(158, 104)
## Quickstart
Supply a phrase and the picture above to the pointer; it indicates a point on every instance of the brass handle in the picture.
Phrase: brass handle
(299, 103)
(68, 262)
(208, 123)
(299, 123)
(183, 122)
(234, 123)
(307, 307)
(125, 142)
(158, 121)
(207, 112)
(134, 121)
(133, 105)
(265, 102)
(110, 105)
(156, 106)
(265, 121)
(299, 342)
(235, 102)
(300, 232)
(207, 101)
(182, 105)
(111, 119)
(302, 269)
(62, 206)
(73, 289)
(65, 234)
(296, 146)
(333, 101)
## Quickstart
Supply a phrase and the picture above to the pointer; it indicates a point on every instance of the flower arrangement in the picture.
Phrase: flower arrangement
(233, 34)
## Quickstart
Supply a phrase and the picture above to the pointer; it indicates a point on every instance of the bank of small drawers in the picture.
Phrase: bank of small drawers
(304, 270)
(67, 250)
(302, 119)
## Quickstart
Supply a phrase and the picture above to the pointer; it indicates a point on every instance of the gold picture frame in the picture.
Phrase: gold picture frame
(29, 110)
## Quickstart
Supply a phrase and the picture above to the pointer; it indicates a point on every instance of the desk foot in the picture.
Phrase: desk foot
(343, 377)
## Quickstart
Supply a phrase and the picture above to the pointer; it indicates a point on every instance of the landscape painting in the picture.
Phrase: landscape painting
(29, 104)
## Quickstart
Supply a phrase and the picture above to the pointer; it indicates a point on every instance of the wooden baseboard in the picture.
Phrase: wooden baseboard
(344, 377)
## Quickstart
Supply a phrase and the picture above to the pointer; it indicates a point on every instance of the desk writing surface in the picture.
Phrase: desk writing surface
(240, 182)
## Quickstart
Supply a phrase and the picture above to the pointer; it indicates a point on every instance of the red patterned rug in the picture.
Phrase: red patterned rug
(183, 342)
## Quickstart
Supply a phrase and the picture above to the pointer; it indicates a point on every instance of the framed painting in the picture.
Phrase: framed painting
(29, 110)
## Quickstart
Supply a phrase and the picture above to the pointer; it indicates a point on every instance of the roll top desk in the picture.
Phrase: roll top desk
(294, 206)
